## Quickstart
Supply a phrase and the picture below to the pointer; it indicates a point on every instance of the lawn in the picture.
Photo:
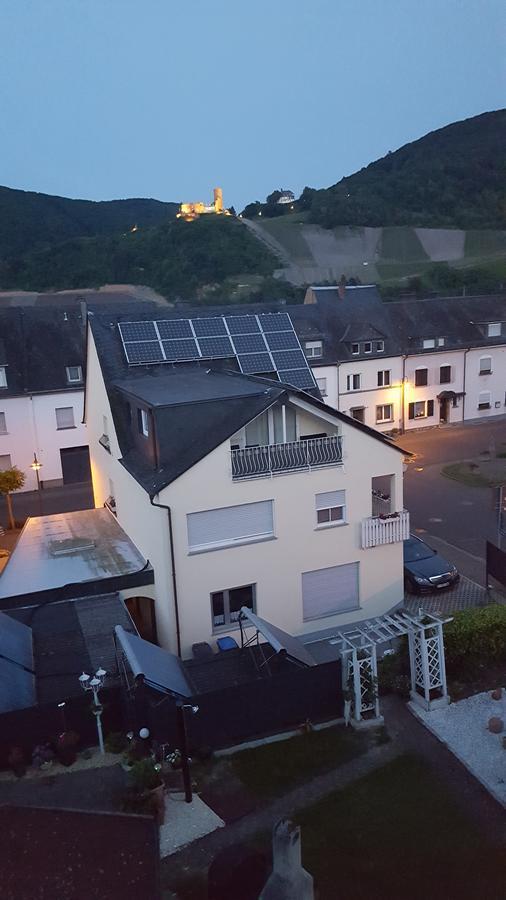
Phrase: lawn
(275, 768)
(485, 473)
(401, 244)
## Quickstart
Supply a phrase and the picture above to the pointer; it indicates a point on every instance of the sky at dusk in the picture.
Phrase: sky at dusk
(105, 99)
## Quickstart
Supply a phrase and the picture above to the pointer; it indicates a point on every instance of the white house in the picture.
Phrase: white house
(238, 489)
(41, 394)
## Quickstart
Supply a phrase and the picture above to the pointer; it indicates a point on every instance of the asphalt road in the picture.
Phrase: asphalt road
(462, 517)
(53, 500)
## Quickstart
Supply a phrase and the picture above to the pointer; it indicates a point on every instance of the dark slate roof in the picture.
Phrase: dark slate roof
(178, 386)
(459, 320)
(17, 682)
(38, 345)
(72, 637)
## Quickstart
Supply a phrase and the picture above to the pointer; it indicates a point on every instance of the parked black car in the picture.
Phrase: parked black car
(424, 569)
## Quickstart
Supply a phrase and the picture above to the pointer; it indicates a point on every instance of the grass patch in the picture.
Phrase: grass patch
(287, 230)
(276, 768)
(401, 244)
(473, 475)
(398, 833)
(484, 243)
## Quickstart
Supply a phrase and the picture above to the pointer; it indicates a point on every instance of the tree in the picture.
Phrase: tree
(11, 480)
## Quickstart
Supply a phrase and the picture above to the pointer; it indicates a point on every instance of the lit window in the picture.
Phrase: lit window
(429, 344)
(368, 347)
(485, 365)
(421, 377)
(144, 422)
(421, 409)
(64, 417)
(322, 386)
(226, 605)
(494, 329)
(385, 413)
(353, 382)
(379, 346)
(74, 374)
(384, 378)
(313, 349)
(484, 400)
(3, 423)
(355, 349)
(330, 508)
(3, 377)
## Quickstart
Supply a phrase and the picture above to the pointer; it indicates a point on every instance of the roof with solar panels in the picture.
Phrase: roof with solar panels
(202, 377)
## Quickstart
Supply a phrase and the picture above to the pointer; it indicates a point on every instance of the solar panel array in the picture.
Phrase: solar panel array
(262, 344)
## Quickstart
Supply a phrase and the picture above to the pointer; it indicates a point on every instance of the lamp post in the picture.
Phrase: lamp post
(185, 762)
(36, 466)
(95, 684)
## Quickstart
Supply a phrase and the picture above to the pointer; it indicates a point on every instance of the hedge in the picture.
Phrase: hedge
(475, 636)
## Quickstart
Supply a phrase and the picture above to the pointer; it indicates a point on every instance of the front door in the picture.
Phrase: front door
(444, 405)
(75, 464)
(358, 413)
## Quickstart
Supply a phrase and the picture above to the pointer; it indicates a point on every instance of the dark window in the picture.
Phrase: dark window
(445, 374)
(384, 378)
(355, 349)
(421, 378)
(367, 347)
(226, 605)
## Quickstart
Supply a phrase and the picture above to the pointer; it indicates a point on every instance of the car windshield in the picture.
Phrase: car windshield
(415, 549)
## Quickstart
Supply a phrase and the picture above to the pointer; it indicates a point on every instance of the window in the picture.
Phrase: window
(440, 342)
(385, 413)
(64, 417)
(428, 344)
(379, 346)
(143, 422)
(484, 400)
(355, 349)
(494, 329)
(330, 508)
(421, 377)
(322, 386)
(326, 592)
(421, 409)
(284, 424)
(384, 378)
(5, 462)
(445, 374)
(226, 605)
(353, 382)
(368, 347)
(216, 528)
(486, 365)
(74, 374)
(313, 349)
(3, 423)
(3, 377)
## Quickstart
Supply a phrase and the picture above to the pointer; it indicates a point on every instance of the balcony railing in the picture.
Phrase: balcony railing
(273, 459)
(389, 530)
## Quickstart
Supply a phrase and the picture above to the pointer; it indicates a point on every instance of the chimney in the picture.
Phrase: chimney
(288, 880)
(342, 288)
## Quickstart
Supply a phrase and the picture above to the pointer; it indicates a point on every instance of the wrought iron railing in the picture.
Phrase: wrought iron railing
(378, 530)
(272, 459)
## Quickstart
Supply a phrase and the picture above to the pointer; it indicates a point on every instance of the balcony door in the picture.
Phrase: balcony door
(274, 426)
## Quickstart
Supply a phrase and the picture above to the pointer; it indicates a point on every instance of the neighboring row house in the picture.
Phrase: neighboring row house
(41, 394)
(241, 490)
(406, 364)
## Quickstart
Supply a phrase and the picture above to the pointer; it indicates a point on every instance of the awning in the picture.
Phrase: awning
(450, 395)
(281, 642)
(160, 669)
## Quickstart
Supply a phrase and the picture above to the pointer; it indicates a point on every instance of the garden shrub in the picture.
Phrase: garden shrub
(475, 637)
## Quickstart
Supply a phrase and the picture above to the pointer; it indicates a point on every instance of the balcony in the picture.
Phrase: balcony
(295, 456)
(390, 529)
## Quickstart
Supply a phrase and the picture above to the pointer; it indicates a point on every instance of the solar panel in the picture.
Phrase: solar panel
(181, 349)
(174, 328)
(216, 347)
(249, 343)
(209, 327)
(282, 340)
(255, 363)
(300, 378)
(289, 359)
(138, 331)
(242, 324)
(275, 322)
(143, 352)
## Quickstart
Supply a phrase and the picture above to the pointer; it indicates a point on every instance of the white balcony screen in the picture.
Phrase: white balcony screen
(230, 525)
(326, 592)
(330, 498)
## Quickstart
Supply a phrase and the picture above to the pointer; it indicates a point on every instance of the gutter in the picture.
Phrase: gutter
(173, 564)
(403, 400)
(466, 351)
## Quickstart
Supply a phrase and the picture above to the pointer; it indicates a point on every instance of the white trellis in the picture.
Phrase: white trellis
(426, 655)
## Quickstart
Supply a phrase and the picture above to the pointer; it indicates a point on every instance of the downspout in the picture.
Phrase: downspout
(466, 351)
(403, 399)
(173, 564)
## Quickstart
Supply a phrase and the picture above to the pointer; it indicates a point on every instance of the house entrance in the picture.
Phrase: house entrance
(444, 410)
(142, 611)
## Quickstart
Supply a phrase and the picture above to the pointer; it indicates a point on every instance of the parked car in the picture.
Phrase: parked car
(424, 569)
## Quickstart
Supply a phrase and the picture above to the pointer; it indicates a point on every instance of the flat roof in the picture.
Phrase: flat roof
(68, 548)
(189, 384)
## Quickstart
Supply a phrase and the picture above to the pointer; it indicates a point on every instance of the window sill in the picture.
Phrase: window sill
(384, 421)
(65, 427)
(226, 629)
(210, 548)
(485, 372)
(326, 525)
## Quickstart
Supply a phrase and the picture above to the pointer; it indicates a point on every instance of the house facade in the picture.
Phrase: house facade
(41, 394)
(242, 491)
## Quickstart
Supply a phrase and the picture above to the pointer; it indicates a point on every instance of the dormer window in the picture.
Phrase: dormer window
(379, 346)
(494, 329)
(3, 377)
(313, 349)
(143, 421)
(368, 347)
(429, 344)
(355, 349)
(74, 374)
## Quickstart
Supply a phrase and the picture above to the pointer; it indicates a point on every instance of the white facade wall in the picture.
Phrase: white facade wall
(32, 428)
(493, 384)
(370, 396)
(433, 363)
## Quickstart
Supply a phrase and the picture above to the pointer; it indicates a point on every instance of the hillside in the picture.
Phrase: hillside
(454, 177)
(30, 221)
(178, 259)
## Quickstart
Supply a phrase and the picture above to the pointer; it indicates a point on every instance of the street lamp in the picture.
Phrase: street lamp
(95, 684)
(185, 762)
(36, 466)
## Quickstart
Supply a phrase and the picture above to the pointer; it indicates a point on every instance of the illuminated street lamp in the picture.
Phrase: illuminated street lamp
(36, 466)
(95, 684)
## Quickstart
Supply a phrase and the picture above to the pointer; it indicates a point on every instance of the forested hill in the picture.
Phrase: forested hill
(30, 221)
(453, 177)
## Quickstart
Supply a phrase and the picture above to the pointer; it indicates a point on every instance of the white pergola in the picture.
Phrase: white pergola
(357, 647)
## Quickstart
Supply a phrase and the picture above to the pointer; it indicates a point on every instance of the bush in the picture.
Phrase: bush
(475, 637)
(116, 742)
(393, 672)
(144, 776)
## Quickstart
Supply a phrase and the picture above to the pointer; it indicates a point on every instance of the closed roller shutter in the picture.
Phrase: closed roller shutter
(330, 498)
(326, 592)
(231, 524)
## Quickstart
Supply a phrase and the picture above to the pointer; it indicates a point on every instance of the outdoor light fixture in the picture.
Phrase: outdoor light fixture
(36, 466)
(95, 684)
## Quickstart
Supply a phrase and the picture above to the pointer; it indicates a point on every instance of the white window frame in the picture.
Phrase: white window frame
(144, 422)
(64, 409)
(366, 345)
(494, 329)
(350, 382)
(78, 379)
(313, 349)
(484, 400)
(423, 405)
(230, 541)
(380, 419)
(322, 386)
(230, 624)
(441, 342)
(3, 377)
(429, 343)
(382, 382)
(488, 370)
(3, 423)
(357, 351)
(332, 503)
(380, 346)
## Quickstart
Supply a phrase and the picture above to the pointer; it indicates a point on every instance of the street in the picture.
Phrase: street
(52, 500)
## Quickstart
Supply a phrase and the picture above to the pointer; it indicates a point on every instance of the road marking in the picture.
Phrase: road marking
(436, 520)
